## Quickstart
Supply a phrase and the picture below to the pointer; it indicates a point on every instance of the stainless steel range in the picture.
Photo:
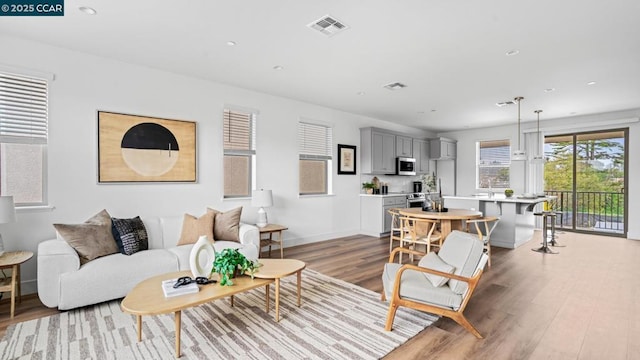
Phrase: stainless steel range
(415, 200)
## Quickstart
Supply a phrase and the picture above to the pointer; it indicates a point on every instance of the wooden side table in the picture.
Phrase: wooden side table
(271, 229)
(12, 260)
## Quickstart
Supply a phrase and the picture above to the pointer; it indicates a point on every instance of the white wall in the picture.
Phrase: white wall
(85, 83)
(466, 152)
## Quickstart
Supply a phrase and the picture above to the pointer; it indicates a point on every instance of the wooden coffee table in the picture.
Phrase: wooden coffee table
(276, 269)
(147, 297)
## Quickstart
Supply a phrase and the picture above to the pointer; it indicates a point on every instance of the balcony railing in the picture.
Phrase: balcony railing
(595, 211)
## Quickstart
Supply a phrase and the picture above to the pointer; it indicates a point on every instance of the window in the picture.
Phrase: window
(493, 160)
(315, 158)
(23, 138)
(239, 143)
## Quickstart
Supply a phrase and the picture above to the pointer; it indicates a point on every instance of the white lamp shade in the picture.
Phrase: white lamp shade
(7, 210)
(262, 198)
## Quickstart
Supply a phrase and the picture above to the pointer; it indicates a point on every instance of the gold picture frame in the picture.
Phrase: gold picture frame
(133, 148)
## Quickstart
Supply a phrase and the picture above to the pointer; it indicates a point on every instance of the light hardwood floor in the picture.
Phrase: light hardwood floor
(583, 303)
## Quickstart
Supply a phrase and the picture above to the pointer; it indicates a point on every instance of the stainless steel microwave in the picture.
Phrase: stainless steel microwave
(405, 166)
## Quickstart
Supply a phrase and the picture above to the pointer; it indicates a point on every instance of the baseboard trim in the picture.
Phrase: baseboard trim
(318, 238)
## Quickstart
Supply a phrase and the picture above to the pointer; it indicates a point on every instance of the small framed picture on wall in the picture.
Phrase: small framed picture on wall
(346, 159)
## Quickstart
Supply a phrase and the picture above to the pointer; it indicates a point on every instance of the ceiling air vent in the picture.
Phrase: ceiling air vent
(505, 103)
(395, 86)
(328, 25)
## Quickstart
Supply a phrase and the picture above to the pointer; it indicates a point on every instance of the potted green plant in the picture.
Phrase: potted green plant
(230, 262)
(368, 187)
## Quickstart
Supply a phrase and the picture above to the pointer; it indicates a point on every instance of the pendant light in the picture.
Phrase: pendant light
(538, 159)
(519, 154)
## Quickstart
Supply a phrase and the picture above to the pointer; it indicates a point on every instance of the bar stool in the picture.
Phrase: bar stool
(553, 236)
(552, 205)
(546, 216)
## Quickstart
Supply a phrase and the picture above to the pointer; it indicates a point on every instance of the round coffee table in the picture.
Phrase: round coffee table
(277, 269)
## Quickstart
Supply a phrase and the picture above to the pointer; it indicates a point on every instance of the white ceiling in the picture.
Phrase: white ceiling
(449, 53)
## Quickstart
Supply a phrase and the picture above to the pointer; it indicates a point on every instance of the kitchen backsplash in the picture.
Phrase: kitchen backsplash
(395, 183)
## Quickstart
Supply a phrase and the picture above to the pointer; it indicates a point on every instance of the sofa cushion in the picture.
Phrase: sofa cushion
(193, 228)
(92, 239)
(434, 262)
(112, 277)
(227, 224)
(130, 234)
(414, 286)
(462, 250)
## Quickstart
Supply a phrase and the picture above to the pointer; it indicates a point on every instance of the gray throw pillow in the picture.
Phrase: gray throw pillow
(90, 240)
(434, 262)
(130, 235)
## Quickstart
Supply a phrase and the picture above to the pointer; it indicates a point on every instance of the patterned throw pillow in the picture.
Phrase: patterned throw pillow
(130, 235)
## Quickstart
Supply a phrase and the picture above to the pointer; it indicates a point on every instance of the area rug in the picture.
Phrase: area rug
(337, 320)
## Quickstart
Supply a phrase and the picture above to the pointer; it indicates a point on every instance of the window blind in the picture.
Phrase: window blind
(23, 109)
(315, 141)
(239, 132)
(495, 153)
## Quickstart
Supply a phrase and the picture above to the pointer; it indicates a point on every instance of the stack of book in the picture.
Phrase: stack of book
(170, 291)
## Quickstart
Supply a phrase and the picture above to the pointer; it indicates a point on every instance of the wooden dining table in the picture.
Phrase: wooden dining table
(449, 220)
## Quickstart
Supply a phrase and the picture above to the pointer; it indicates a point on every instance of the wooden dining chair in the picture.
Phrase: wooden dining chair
(484, 235)
(397, 233)
(420, 232)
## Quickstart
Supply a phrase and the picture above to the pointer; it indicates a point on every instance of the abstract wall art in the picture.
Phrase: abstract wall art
(134, 148)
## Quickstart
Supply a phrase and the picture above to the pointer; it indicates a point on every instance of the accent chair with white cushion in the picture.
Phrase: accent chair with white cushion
(440, 284)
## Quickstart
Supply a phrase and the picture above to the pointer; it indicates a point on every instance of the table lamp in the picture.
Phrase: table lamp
(262, 199)
(7, 215)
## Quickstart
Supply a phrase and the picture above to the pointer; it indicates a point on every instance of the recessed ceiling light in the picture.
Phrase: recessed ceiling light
(591, 83)
(278, 67)
(88, 10)
(512, 52)
(361, 93)
(231, 43)
(572, 113)
(433, 110)
(550, 90)
(421, 112)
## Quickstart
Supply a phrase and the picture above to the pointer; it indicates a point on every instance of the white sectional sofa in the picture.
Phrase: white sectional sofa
(65, 284)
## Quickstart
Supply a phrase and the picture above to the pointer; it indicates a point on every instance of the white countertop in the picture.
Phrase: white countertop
(502, 198)
(386, 195)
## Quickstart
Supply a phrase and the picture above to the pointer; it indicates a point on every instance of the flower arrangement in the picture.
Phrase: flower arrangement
(428, 182)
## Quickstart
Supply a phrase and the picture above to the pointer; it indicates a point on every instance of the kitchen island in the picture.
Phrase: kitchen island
(517, 221)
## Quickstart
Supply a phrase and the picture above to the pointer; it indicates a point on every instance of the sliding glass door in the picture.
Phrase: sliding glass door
(587, 172)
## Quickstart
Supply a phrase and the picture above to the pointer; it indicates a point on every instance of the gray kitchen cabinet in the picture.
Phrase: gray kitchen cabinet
(404, 146)
(375, 219)
(442, 149)
(377, 151)
(421, 151)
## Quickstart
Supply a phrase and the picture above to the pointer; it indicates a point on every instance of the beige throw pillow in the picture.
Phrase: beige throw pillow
(193, 228)
(227, 224)
(92, 239)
